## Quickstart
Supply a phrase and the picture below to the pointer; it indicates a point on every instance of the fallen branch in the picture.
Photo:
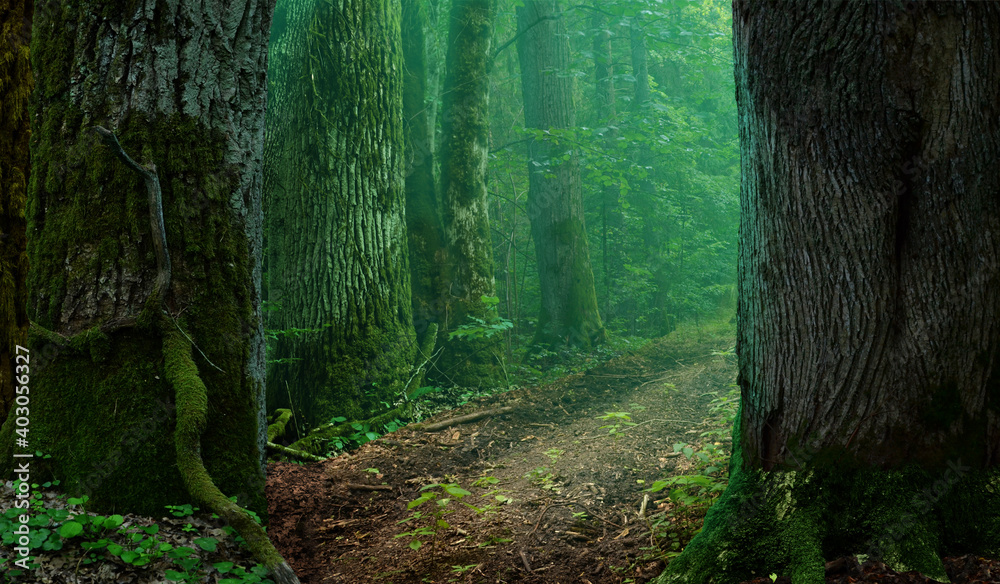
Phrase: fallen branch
(360, 487)
(292, 453)
(473, 417)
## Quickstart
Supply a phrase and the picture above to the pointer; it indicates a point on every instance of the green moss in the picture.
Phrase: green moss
(787, 522)
(76, 250)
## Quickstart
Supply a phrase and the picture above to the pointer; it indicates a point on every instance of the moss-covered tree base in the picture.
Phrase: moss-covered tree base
(789, 522)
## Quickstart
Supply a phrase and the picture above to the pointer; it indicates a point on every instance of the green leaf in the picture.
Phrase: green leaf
(207, 543)
(175, 575)
(130, 557)
(223, 567)
(113, 522)
(456, 491)
(70, 529)
(115, 549)
(415, 544)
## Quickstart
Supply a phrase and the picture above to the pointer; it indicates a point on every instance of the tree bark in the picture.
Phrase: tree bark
(869, 291)
(190, 100)
(15, 90)
(337, 234)
(468, 270)
(568, 314)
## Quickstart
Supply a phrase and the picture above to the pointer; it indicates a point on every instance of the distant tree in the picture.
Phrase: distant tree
(468, 269)
(423, 221)
(869, 292)
(338, 270)
(569, 313)
(15, 89)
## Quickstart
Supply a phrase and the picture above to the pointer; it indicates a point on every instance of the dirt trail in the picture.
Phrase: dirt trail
(573, 492)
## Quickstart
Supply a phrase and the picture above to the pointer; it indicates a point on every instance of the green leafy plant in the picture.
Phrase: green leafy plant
(619, 422)
(483, 328)
(541, 477)
(440, 494)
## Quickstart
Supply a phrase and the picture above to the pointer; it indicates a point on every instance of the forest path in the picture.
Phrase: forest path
(570, 492)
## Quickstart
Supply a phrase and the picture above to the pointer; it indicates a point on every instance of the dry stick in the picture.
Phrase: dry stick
(191, 394)
(524, 558)
(461, 419)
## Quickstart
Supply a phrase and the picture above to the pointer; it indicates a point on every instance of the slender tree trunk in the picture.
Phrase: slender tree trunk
(568, 314)
(611, 213)
(423, 223)
(468, 271)
(15, 89)
(337, 233)
(869, 291)
(189, 100)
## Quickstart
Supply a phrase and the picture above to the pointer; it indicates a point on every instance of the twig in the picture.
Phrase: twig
(524, 558)
(360, 487)
(155, 210)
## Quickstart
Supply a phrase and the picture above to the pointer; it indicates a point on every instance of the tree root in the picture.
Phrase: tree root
(192, 404)
(277, 429)
(292, 453)
(314, 442)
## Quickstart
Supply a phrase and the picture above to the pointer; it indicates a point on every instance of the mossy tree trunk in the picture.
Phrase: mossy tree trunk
(336, 227)
(468, 269)
(568, 313)
(423, 219)
(15, 89)
(182, 85)
(869, 278)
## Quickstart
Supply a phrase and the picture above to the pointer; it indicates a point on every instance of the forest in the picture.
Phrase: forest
(483, 291)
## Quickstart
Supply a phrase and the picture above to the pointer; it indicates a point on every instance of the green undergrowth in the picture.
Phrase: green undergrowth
(84, 538)
(689, 496)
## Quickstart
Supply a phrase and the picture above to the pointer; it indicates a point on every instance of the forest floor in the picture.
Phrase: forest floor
(538, 492)
(558, 497)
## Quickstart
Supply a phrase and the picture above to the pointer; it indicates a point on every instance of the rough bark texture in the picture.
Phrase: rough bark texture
(869, 291)
(15, 90)
(337, 232)
(182, 84)
(568, 314)
(423, 221)
(468, 269)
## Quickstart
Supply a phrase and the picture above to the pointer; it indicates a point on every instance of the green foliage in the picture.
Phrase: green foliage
(692, 494)
(619, 422)
(483, 328)
(438, 497)
(103, 538)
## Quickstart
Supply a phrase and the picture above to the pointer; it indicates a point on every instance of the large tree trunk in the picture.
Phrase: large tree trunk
(869, 291)
(15, 89)
(190, 100)
(468, 271)
(336, 228)
(423, 222)
(568, 314)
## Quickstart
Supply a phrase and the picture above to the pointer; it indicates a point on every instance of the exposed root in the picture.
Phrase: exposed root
(192, 405)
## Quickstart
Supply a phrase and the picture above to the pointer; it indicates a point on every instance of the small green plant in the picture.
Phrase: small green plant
(483, 328)
(441, 495)
(463, 569)
(554, 454)
(541, 477)
(619, 421)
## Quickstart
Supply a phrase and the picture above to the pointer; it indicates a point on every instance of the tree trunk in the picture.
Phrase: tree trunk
(568, 314)
(190, 100)
(869, 291)
(337, 233)
(423, 223)
(612, 220)
(15, 90)
(468, 270)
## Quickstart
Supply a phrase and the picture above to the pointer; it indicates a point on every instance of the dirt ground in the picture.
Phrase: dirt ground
(570, 493)
(536, 493)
